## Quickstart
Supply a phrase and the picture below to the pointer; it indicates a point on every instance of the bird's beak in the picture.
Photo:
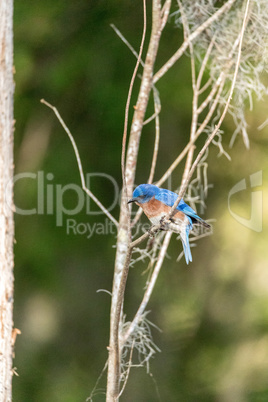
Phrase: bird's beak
(132, 200)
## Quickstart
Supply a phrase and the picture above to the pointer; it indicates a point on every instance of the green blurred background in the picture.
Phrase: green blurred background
(214, 313)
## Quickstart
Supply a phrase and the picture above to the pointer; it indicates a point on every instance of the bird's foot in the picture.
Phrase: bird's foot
(151, 233)
(164, 223)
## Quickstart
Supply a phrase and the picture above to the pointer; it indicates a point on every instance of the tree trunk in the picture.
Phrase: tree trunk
(6, 198)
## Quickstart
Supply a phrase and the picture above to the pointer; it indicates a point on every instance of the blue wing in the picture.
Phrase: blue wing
(188, 211)
(169, 198)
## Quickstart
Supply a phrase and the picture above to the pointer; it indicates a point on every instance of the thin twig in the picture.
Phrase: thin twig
(141, 239)
(213, 105)
(93, 392)
(123, 155)
(186, 32)
(198, 132)
(157, 107)
(149, 289)
(82, 176)
(202, 68)
(205, 86)
(122, 37)
(194, 238)
(165, 13)
(143, 97)
(128, 369)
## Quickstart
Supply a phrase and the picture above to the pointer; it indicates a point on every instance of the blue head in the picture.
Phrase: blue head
(143, 193)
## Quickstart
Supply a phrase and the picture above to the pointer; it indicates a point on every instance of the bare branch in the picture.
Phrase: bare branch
(195, 93)
(213, 105)
(142, 238)
(128, 369)
(205, 86)
(165, 13)
(131, 48)
(149, 289)
(157, 107)
(143, 98)
(202, 68)
(128, 103)
(94, 390)
(123, 250)
(123, 255)
(210, 96)
(82, 176)
(186, 34)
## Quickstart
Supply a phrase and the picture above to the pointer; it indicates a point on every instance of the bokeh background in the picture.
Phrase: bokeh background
(213, 314)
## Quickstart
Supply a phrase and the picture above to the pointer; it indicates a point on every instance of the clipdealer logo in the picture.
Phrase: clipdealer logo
(50, 196)
(256, 201)
(52, 199)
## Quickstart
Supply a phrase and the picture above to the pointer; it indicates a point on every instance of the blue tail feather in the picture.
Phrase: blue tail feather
(186, 246)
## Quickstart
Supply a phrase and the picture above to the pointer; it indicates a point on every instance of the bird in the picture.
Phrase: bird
(157, 202)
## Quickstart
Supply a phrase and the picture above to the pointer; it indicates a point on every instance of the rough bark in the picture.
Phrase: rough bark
(123, 238)
(6, 202)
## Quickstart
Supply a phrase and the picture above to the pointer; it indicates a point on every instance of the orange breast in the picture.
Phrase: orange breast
(179, 215)
(155, 208)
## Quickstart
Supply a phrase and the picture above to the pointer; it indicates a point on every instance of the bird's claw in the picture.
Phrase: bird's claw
(151, 233)
(164, 223)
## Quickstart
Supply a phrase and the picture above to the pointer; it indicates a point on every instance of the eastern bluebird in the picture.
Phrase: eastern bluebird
(157, 202)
